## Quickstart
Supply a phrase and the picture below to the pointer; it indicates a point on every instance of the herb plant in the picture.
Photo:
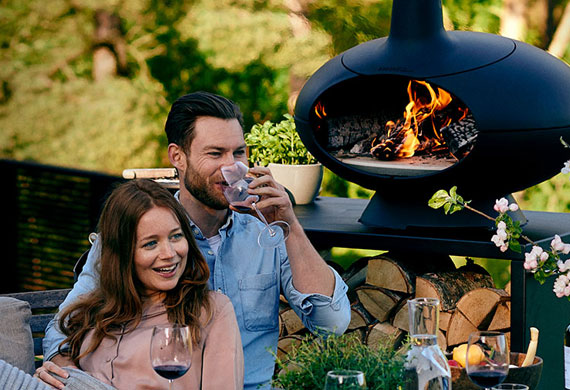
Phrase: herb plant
(279, 143)
(306, 366)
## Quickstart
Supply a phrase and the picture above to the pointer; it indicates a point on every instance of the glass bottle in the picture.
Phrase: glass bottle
(425, 356)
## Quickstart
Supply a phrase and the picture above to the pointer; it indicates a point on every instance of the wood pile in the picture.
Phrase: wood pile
(380, 286)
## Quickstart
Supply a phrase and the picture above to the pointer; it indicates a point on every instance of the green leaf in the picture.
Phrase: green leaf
(438, 199)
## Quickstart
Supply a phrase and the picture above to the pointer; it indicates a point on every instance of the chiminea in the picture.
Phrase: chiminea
(426, 109)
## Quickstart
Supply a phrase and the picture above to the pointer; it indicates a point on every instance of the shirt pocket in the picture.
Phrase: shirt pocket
(260, 300)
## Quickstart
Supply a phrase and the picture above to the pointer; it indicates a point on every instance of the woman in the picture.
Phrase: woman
(152, 273)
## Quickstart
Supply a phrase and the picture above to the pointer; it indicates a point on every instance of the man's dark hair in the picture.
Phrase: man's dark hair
(187, 109)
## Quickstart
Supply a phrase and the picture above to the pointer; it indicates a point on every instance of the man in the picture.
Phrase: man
(205, 133)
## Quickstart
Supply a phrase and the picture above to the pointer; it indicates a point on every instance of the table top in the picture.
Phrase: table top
(335, 222)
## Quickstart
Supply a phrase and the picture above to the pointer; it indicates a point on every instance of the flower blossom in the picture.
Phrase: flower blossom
(563, 266)
(562, 286)
(566, 169)
(559, 246)
(532, 258)
(502, 206)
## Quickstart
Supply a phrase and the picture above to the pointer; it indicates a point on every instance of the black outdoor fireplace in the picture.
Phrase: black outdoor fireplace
(426, 109)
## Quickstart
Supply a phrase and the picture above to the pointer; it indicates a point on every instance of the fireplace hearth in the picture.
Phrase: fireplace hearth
(425, 109)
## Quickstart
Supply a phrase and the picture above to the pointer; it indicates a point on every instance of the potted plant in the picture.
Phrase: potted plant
(278, 146)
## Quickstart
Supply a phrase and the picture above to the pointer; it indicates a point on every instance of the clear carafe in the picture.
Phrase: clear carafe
(425, 357)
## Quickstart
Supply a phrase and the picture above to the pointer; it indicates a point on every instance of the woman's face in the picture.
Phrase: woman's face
(161, 252)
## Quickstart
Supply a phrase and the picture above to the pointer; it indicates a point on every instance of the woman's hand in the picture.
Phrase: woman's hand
(54, 366)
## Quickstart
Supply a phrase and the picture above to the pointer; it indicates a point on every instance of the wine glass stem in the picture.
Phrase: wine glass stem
(170, 384)
(262, 217)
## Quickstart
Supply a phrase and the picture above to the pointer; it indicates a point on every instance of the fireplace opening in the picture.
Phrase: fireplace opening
(394, 126)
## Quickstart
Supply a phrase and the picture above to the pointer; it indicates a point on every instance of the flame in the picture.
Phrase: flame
(419, 109)
(320, 110)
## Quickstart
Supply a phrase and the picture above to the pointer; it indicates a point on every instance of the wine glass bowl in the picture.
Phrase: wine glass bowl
(487, 358)
(171, 351)
(345, 380)
(235, 192)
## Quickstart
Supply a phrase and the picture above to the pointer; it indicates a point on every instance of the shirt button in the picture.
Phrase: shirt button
(219, 290)
(196, 231)
(210, 252)
(108, 359)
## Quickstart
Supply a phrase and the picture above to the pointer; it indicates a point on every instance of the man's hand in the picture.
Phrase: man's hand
(274, 203)
(54, 366)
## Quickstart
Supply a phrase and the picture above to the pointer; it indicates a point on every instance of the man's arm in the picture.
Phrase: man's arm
(87, 281)
(314, 290)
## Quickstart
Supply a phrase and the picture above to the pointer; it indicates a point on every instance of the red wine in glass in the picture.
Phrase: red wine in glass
(487, 358)
(171, 371)
(487, 379)
(171, 351)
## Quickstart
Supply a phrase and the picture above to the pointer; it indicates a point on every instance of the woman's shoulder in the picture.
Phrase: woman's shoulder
(220, 304)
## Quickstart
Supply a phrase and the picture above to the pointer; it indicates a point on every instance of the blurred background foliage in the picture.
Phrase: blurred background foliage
(61, 104)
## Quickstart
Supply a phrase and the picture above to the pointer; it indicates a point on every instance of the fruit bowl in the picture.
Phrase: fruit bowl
(529, 375)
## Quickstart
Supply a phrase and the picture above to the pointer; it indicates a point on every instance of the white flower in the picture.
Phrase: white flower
(502, 225)
(562, 286)
(530, 265)
(497, 240)
(513, 207)
(504, 248)
(563, 266)
(501, 205)
(566, 168)
(502, 234)
(544, 256)
(557, 244)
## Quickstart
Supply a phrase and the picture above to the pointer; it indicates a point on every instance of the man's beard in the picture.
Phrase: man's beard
(198, 187)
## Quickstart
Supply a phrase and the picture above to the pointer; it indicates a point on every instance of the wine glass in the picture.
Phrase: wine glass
(510, 386)
(487, 358)
(345, 380)
(171, 351)
(236, 194)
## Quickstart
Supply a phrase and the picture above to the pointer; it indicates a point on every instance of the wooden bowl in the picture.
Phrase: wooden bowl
(529, 375)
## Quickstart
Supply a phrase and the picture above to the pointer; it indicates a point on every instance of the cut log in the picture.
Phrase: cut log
(397, 272)
(502, 318)
(355, 275)
(444, 317)
(459, 329)
(377, 301)
(285, 344)
(383, 333)
(388, 273)
(401, 319)
(359, 317)
(479, 305)
(449, 287)
(291, 321)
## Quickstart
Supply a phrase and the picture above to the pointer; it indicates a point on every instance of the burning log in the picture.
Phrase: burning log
(460, 136)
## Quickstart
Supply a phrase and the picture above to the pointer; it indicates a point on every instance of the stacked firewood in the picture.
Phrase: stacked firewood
(380, 286)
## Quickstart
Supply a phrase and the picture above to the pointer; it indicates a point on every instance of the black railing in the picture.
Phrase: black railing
(49, 213)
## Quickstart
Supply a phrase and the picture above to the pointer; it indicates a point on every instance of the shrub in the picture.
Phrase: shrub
(306, 366)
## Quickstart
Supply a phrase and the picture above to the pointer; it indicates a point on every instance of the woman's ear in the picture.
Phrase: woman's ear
(177, 157)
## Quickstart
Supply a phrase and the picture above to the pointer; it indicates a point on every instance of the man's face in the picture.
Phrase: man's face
(217, 142)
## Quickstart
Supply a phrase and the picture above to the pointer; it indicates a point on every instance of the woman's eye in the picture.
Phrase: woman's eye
(149, 244)
(177, 236)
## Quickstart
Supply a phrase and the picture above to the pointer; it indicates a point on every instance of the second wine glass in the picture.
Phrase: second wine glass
(487, 359)
(345, 380)
(171, 351)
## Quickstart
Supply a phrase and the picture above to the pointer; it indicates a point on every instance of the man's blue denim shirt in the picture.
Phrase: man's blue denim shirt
(252, 277)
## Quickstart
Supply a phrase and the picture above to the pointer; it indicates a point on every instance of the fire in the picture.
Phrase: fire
(405, 137)
(320, 110)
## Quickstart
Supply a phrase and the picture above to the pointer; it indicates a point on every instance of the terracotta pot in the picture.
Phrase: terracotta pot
(302, 181)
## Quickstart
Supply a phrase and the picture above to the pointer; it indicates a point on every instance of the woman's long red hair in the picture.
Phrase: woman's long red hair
(117, 302)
